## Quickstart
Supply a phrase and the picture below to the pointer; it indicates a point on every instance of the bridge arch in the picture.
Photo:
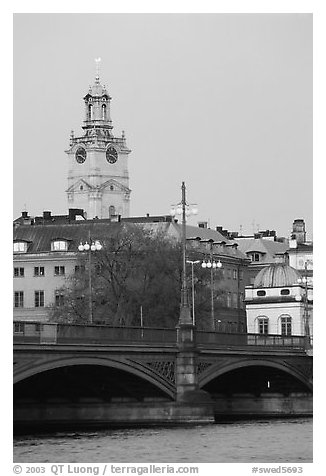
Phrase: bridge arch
(221, 368)
(135, 368)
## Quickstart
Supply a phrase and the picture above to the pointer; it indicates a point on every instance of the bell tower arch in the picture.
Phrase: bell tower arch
(98, 174)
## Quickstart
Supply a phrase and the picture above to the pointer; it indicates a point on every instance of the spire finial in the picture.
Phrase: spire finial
(97, 65)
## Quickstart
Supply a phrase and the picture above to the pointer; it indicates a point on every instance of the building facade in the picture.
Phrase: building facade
(279, 302)
(46, 256)
(98, 176)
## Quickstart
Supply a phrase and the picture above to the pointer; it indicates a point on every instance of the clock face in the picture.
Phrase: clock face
(80, 155)
(111, 155)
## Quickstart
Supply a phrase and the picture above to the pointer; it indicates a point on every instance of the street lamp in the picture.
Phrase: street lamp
(89, 248)
(185, 209)
(304, 281)
(193, 288)
(211, 264)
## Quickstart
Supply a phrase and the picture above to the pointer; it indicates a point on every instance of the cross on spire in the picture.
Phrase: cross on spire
(97, 65)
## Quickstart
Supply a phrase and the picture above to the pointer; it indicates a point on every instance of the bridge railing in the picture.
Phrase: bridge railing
(51, 333)
(239, 340)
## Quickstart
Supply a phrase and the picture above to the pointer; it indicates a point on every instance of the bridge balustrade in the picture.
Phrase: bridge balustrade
(240, 340)
(51, 333)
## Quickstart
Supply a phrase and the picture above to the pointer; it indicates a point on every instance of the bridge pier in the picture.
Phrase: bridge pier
(198, 403)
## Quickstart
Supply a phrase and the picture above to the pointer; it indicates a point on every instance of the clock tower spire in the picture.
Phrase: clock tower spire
(98, 178)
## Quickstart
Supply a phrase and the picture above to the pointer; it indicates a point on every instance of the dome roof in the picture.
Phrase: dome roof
(276, 275)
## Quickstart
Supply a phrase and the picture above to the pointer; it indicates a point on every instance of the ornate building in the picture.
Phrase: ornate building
(279, 302)
(98, 178)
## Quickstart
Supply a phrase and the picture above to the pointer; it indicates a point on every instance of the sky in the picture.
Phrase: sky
(220, 101)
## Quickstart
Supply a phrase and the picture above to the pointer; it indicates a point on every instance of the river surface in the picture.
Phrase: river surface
(271, 441)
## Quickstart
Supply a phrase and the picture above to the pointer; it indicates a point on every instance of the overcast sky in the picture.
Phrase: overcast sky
(221, 101)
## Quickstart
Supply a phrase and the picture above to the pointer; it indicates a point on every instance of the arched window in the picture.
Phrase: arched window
(103, 112)
(90, 112)
(286, 325)
(262, 322)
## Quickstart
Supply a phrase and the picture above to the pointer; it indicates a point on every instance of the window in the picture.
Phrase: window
(20, 247)
(261, 293)
(228, 299)
(104, 112)
(39, 271)
(59, 270)
(235, 274)
(111, 211)
(90, 112)
(241, 274)
(18, 272)
(254, 256)
(263, 325)
(18, 327)
(39, 298)
(286, 325)
(59, 298)
(19, 299)
(59, 245)
(285, 292)
(234, 300)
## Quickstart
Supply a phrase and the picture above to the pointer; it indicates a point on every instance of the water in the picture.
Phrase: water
(270, 441)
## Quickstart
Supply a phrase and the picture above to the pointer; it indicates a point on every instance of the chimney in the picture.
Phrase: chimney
(25, 215)
(47, 215)
(299, 230)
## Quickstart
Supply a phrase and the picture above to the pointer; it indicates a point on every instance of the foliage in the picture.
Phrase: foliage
(137, 273)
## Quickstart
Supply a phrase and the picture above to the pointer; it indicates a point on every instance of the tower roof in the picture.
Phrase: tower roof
(276, 275)
(97, 90)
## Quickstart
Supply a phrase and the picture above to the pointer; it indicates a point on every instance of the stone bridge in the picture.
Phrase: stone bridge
(144, 374)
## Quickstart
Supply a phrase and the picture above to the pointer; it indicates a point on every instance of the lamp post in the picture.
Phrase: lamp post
(89, 248)
(211, 264)
(184, 209)
(193, 288)
(304, 281)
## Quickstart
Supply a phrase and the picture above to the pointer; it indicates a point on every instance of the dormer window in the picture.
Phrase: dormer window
(255, 257)
(59, 245)
(20, 247)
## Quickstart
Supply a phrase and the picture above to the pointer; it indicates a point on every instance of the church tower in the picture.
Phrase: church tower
(98, 178)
